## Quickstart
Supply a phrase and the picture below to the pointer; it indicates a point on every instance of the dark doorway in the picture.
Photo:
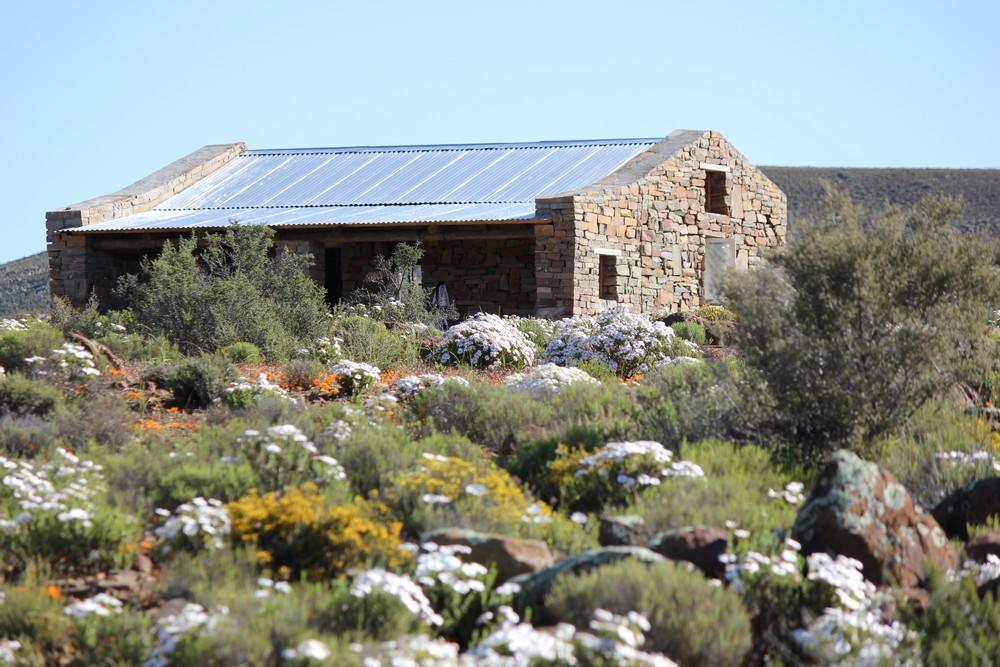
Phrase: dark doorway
(334, 278)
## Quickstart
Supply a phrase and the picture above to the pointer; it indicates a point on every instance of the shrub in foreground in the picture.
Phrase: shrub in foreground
(693, 622)
(37, 339)
(20, 395)
(198, 381)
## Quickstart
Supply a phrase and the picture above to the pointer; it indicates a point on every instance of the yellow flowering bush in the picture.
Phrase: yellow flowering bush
(296, 533)
(446, 490)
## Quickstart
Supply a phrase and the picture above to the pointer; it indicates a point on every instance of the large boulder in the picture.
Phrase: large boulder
(861, 511)
(973, 504)
(512, 556)
(701, 546)
(534, 587)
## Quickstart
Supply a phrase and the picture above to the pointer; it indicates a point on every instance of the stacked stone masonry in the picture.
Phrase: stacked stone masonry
(659, 226)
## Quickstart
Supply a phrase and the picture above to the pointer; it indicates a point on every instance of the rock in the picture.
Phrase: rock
(512, 556)
(534, 587)
(973, 504)
(978, 548)
(622, 531)
(861, 511)
(700, 546)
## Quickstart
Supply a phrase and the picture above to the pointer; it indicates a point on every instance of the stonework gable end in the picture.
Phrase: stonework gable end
(658, 234)
(74, 270)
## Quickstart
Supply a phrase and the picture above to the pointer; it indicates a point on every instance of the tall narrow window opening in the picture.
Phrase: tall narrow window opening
(715, 192)
(608, 276)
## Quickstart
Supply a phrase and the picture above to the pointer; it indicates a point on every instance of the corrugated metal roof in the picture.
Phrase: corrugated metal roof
(388, 184)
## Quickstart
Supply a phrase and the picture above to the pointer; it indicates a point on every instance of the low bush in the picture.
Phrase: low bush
(691, 331)
(121, 637)
(300, 373)
(369, 341)
(960, 626)
(693, 622)
(441, 491)
(33, 616)
(20, 395)
(181, 482)
(105, 420)
(371, 455)
(296, 534)
(491, 416)
(939, 451)
(241, 353)
(37, 339)
(26, 436)
(697, 401)
(485, 341)
(198, 381)
(736, 486)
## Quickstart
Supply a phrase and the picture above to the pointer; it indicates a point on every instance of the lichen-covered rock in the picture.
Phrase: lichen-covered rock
(534, 587)
(973, 505)
(861, 511)
(622, 531)
(512, 556)
(701, 546)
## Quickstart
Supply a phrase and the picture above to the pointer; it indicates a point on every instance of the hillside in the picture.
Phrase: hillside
(24, 285)
(979, 190)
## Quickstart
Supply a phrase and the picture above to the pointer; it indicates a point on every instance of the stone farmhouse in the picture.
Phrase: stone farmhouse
(550, 228)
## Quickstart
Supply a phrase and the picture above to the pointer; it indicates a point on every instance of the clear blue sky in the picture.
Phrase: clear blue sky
(96, 94)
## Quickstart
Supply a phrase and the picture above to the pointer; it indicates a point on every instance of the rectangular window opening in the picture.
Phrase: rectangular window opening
(608, 277)
(720, 258)
(715, 192)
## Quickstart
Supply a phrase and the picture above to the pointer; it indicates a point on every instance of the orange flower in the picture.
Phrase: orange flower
(174, 410)
(151, 425)
(115, 372)
(53, 591)
(134, 395)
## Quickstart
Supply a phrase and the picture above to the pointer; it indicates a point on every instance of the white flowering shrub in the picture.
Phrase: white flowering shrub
(10, 324)
(355, 377)
(547, 380)
(325, 349)
(173, 629)
(413, 384)
(538, 330)
(613, 640)
(283, 455)
(101, 604)
(202, 523)
(617, 472)
(485, 341)
(69, 360)
(399, 586)
(243, 393)
(854, 630)
(627, 343)
(306, 651)
(54, 513)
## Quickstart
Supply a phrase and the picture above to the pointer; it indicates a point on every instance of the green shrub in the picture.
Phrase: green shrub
(712, 399)
(609, 409)
(24, 396)
(368, 340)
(691, 331)
(959, 626)
(371, 455)
(37, 340)
(300, 373)
(241, 353)
(863, 318)
(735, 488)
(229, 292)
(912, 455)
(124, 638)
(31, 615)
(693, 622)
(26, 436)
(105, 419)
(71, 547)
(597, 370)
(223, 481)
(392, 290)
(378, 616)
(491, 416)
(198, 381)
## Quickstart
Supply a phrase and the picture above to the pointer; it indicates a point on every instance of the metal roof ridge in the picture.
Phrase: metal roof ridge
(419, 148)
(368, 205)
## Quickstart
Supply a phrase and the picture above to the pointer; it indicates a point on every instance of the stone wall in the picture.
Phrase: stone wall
(495, 276)
(651, 215)
(73, 265)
